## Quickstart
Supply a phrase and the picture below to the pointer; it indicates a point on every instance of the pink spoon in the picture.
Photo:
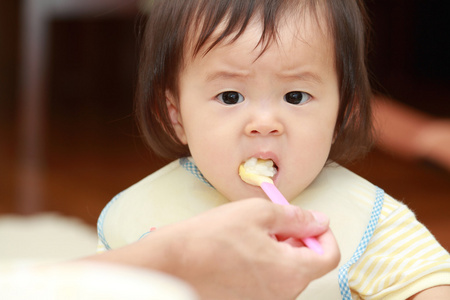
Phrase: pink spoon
(266, 183)
(276, 197)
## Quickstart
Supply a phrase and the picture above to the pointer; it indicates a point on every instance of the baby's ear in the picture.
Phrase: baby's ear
(175, 117)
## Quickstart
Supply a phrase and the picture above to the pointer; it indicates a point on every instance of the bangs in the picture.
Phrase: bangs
(224, 19)
(215, 22)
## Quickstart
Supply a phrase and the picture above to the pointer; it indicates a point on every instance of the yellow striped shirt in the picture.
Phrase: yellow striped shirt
(402, 258)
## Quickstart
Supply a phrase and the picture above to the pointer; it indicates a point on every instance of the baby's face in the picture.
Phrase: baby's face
(282, 105)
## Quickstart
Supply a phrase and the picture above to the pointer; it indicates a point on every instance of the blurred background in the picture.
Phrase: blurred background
(68, 139)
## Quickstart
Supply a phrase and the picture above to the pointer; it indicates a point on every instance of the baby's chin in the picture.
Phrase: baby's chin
(247, 193)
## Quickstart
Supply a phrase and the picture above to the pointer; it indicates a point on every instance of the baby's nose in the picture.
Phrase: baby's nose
(264, 124)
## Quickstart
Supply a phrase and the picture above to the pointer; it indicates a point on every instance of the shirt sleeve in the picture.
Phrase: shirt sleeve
(402, 258)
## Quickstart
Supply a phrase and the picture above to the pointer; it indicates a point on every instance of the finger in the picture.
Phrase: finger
(306, 260)
(293, 242)
(330, 246)
(293, 222)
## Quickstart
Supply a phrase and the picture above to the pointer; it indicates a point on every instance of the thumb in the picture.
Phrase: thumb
(295, 222)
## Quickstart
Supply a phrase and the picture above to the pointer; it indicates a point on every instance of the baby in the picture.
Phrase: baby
(224, 81)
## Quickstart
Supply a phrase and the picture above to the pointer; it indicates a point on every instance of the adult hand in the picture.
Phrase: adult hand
(230, 252)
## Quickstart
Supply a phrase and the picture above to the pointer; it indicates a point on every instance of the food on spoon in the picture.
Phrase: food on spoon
(256, 171)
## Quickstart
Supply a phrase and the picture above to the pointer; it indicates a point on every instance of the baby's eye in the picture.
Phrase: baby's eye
(230, 98)
(297, 97)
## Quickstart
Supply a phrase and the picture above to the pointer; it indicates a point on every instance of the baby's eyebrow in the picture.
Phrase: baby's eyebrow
(303, 76)
(221, 75)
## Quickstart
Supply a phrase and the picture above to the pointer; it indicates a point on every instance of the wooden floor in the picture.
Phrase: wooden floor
(85, 168)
